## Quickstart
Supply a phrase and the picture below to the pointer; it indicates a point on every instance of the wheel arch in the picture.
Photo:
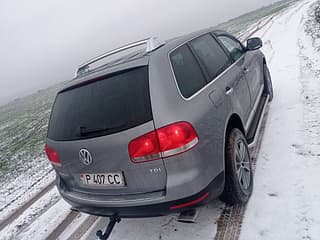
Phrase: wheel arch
(234, 122)
(264, 61)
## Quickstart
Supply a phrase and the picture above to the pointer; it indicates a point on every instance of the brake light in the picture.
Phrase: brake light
(167, 141)
(52, 156)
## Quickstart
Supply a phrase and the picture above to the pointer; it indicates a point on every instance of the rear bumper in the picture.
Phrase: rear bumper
(146, 207)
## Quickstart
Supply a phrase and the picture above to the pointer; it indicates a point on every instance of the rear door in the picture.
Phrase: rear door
(250, 64)
(199, 69)
(215, 61)
(242, 93)
(100, 118)
(254, 74)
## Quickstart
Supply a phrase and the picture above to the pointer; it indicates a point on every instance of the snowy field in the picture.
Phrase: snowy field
(23, 123)
(286, 197)
(285, 201)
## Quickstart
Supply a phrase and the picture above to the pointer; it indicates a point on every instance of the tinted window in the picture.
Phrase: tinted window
(187, 71)
(234, 47)
(210, 54)
(107, 106)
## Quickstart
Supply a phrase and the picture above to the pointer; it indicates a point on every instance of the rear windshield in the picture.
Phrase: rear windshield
(103, 107)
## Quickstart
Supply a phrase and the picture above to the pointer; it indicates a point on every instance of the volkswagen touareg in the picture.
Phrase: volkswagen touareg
(161, 127)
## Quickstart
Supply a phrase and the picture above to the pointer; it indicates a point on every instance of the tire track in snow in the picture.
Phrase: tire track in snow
(20, 223)
(83, 227)
(63, 225)
(230, 221)
(9, 219)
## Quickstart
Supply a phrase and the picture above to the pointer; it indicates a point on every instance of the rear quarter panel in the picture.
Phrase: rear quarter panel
(207, 111)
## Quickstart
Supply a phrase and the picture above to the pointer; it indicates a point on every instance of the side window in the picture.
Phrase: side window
(234, 47)
(187, 71)
(211, 54)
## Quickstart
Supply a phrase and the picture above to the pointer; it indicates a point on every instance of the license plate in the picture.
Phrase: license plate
(102, 179)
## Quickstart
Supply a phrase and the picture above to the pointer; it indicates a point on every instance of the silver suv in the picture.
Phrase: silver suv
(162, 129)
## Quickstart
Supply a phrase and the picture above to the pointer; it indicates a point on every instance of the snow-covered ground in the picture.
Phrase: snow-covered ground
(286, 197)
(39, 219)
(24, 168)
(164, 228)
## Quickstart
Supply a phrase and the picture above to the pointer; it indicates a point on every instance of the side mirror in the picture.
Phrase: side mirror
(254, 44)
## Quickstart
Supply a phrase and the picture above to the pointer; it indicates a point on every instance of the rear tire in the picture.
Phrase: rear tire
(268, 88)
(238, 169)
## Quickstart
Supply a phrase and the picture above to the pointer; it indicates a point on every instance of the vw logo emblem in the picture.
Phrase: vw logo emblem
(85, 157)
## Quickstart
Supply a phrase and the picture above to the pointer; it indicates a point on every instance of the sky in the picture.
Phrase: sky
(43, 41)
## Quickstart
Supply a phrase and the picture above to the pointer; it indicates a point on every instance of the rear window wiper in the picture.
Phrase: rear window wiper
(84, 131)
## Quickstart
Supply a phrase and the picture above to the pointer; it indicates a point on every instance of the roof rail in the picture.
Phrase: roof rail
(152, 44)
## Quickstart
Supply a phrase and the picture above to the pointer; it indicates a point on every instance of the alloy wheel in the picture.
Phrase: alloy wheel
(243, 164)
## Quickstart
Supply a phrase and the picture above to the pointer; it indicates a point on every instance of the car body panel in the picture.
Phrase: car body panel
(254, 73)
(167, 180)
(206, 111)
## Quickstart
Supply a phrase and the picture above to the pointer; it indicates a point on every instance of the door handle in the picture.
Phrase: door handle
(229, 90)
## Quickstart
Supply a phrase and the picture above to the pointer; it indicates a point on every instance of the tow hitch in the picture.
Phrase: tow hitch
(113, 220)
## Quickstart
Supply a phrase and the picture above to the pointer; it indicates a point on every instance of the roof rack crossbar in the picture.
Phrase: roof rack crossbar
(152, 44)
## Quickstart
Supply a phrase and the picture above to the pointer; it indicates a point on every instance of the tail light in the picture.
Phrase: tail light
(167, 141)
(52, 156)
